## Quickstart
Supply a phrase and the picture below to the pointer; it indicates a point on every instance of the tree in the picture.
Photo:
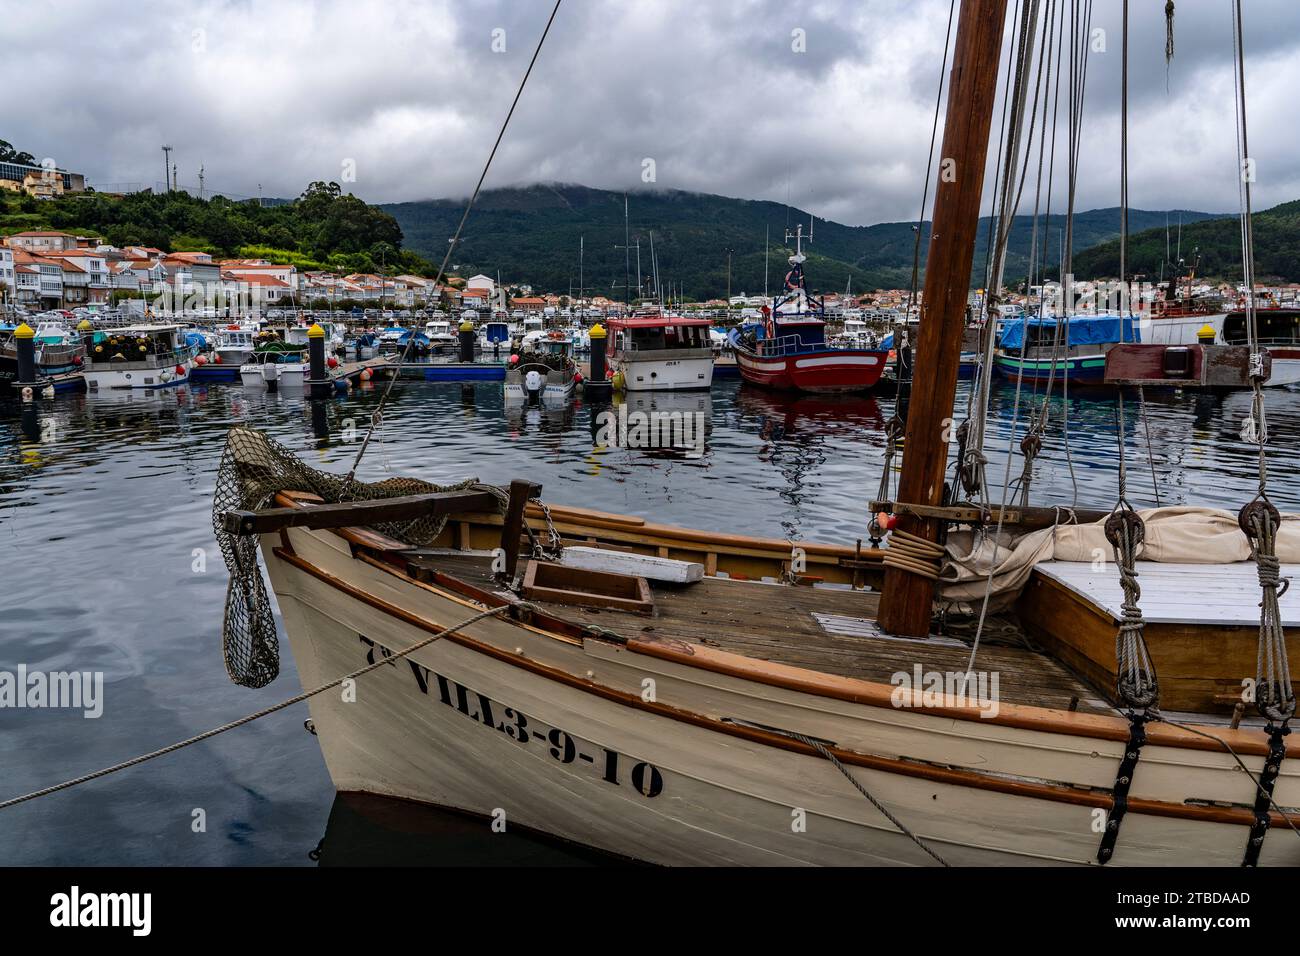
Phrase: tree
(10, 155)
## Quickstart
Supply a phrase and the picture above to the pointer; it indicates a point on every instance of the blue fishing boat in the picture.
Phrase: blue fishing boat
(1031, 348)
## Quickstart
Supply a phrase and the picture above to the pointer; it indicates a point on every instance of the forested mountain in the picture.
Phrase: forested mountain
(1276, 234)
(531, 234)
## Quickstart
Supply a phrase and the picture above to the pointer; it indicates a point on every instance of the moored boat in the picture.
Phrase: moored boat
(686, 696)
(789, 350)
(143, 356)
(1034, 348)
(648, 353)
(545, 370)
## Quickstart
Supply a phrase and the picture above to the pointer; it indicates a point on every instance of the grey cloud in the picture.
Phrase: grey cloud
(281, 92)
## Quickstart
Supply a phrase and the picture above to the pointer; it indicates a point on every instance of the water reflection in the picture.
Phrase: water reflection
(369, 830)
(109, 495)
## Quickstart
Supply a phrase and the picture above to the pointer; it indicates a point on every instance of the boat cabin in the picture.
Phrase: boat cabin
(1275, 327)
(657, 334)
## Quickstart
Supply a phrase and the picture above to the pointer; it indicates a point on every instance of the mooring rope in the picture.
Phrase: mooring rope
(297, 699)
(818, 746)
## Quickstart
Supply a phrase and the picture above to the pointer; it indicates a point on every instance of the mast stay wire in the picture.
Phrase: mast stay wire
(929, 162)
(1010, 205)
(1048, 37)
(376, 417)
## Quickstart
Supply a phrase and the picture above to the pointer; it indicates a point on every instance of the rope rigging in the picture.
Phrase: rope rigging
(1259, 519)
(376, 417)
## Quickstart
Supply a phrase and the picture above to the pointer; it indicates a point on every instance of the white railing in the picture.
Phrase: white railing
(785, 345)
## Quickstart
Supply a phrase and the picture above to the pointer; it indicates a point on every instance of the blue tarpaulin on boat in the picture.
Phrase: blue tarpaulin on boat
(887, 342)
(1083, 329)
(196, 338)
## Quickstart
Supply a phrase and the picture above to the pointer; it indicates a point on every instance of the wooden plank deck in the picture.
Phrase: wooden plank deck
(1216, 594)
(831, 630)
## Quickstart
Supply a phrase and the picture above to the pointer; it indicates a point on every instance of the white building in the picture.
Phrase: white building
(481, 283)
(8, 279)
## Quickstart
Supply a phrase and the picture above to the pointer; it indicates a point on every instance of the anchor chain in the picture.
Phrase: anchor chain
(554, 546)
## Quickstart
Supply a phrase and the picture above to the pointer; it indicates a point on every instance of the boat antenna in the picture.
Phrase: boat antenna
(376, 416)
(767, 239)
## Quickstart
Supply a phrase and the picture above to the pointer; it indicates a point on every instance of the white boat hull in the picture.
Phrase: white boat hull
(666, 375)
(640, 755)
(286, 375)
(106, 379)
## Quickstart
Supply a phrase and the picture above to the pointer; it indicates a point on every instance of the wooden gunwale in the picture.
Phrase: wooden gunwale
(855, 690)
(947, 775)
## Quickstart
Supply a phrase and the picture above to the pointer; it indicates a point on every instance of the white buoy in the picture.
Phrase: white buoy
(48, 391)
(27, 393)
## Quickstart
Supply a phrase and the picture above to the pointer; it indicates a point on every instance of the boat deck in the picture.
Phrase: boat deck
(1208, 594)
(831, 630)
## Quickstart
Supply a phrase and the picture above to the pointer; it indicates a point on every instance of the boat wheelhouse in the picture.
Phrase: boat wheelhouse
(235, 343)
(439, 335)
(142, 356)
(1278, 331)
(660, 353)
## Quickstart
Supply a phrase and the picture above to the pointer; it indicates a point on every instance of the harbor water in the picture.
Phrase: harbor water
(110, 565)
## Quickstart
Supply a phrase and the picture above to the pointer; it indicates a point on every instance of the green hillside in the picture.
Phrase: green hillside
(531, 234)
(322, 228)
(1277, 248)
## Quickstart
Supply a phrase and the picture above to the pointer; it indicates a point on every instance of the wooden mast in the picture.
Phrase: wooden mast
(906, 603)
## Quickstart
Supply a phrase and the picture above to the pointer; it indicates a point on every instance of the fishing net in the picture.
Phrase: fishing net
(254, 469)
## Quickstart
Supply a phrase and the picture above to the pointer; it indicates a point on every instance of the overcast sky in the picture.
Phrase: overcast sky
(277, 93)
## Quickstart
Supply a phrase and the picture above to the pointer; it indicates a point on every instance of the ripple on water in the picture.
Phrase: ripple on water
(112, 565)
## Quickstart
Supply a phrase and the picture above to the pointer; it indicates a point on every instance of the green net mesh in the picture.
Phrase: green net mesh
(254, 469)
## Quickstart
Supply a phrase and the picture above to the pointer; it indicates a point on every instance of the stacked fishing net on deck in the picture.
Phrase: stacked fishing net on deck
(254, 469)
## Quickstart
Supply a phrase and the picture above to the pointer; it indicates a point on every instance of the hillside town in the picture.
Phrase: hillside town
(45, 270)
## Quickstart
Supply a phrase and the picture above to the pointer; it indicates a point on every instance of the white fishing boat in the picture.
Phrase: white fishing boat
(543, 369)
(441, 338)
(141, 356)
(276, 366)
(648, 353)
(235, 343)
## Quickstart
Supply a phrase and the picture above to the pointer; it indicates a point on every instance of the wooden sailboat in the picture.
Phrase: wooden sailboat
(703, 697)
